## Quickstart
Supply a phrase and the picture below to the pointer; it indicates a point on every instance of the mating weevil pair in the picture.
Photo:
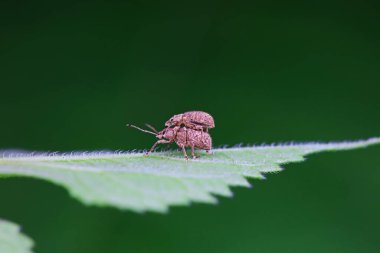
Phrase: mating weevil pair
(189, 129)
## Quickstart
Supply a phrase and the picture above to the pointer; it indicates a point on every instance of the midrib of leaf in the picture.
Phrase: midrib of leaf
(132, 181)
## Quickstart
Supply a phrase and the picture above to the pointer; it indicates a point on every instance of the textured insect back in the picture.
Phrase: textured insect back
(188, 137)
(202, 140)
(200, 118)
(207, 141)
(197, 120)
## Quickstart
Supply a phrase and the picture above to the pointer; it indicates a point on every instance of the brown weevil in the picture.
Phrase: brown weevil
(196, 120)
(183, 137)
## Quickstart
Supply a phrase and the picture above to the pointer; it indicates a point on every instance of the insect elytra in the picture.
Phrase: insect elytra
(197, 120)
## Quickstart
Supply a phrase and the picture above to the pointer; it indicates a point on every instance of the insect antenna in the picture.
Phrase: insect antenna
(142, 130)
(152, 128)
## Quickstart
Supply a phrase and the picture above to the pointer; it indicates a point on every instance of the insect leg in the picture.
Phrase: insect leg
(193, 152)
(155, 144)
(184, 152)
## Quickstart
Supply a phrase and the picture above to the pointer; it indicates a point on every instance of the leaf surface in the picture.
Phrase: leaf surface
(135, 182)
(11, 239)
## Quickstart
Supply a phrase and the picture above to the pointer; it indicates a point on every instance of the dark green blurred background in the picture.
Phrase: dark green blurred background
(73, 73)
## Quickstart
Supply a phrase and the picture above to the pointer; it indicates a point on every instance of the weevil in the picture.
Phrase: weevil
(196, 120)
(183, 137)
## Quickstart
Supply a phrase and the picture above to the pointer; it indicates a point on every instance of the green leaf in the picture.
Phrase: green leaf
(135, 182)
(11, 239)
